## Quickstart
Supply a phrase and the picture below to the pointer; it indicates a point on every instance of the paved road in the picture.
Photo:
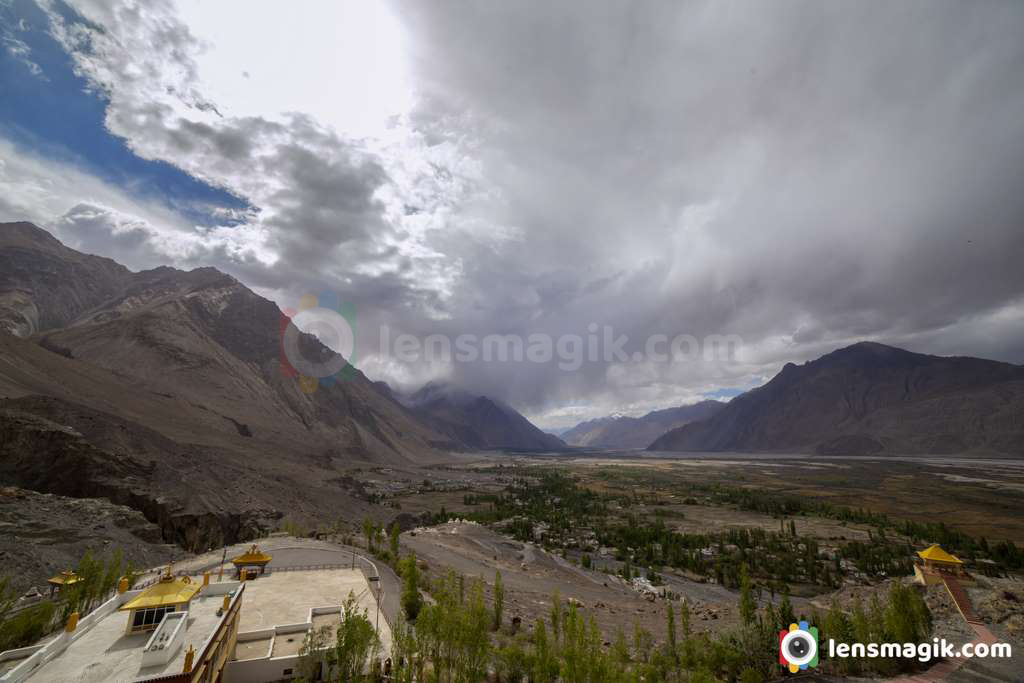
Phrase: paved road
(390, 584)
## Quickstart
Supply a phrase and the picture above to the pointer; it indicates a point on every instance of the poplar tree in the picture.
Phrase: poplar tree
(393, 539)
(748, 608)
(499, 600)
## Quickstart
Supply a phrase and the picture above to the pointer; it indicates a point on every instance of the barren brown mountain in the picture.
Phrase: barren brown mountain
(161, 390)
(867, 399)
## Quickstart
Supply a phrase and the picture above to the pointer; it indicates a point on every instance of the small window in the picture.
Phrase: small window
(287, 672)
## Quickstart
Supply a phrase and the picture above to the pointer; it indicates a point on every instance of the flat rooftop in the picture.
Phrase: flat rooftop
(283, 598)
(253, 649)
(105, 654)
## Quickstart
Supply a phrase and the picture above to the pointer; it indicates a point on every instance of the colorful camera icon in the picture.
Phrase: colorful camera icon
(798, 647)
(333, 324)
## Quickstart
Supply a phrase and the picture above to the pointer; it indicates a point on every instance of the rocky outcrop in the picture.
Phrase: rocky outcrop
(43, 534)
(39, 454)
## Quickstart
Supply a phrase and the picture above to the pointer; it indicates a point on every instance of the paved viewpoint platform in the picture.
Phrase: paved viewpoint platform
(286, 597)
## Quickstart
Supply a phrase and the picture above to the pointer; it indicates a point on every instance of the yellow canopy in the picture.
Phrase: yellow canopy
(253, 556)
(937, 554)
(66, 578)
(164, 593)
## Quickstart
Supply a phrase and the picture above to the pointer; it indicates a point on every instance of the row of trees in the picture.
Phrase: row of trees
(452, 640)
(98, 577)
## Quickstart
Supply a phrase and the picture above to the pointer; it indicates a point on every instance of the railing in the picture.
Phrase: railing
(310, 567)
(269, 570)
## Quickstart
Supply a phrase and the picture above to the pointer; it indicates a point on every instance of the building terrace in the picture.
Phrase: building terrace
(103, 647)
(196, 630)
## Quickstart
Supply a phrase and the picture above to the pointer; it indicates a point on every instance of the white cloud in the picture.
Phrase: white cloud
(19, 50)
(342, 63)
(47, 192)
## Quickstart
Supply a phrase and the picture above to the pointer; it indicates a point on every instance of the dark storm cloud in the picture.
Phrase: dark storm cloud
(799, 173)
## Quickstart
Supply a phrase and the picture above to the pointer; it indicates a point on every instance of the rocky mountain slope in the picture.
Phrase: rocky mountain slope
(637, 432)
(162, 390)
(43, 534)
(870, 399)
(477, 421)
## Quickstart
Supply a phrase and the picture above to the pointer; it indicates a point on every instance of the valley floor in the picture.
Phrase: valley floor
(716, 497)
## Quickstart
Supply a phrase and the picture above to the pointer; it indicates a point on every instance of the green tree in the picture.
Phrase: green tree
(97, 577)
(902, 616)
(556, 618)
(393, 535)
(620, 648)
(545, 665)
(684, 618)
(643, 641)
(314, 654)
(405, 652)
(412, 601)
(672, 637)
(27, 626)
(786, 614)
(748, 607)
(839, 627)
(751, 675)
(513, 663)
(356, 643)
(8, 596)
(499, 600)
(369, 531)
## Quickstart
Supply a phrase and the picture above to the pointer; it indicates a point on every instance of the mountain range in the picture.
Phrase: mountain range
(637, 432)
(869, 399)
(478, 421)
(162, 390)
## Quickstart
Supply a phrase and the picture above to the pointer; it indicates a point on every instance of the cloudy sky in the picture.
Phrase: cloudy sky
(801, 174)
